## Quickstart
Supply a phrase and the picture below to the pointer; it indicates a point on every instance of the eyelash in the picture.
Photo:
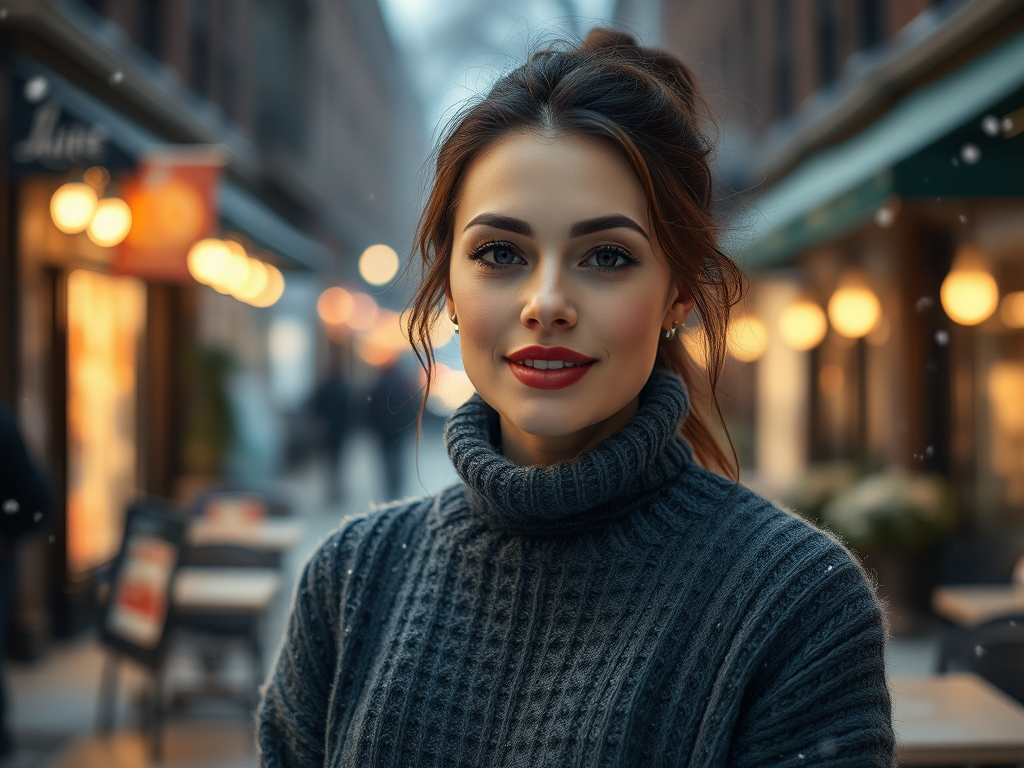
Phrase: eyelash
(480, 250)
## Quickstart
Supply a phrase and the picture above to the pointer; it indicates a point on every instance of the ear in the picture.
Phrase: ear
(449, 302)
(679, 306)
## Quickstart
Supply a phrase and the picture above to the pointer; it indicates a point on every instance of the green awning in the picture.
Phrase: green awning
(915, 150)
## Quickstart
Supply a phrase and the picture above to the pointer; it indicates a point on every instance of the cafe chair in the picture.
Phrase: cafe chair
(993, 650)
(138, 612)
(213, 635)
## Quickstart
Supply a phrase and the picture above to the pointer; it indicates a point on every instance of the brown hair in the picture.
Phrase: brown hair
(646, 103)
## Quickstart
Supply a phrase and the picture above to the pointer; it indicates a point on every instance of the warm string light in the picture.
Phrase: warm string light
(76, 207)
(227, 268)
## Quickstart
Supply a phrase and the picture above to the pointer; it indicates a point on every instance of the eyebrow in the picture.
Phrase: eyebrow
(579, 229)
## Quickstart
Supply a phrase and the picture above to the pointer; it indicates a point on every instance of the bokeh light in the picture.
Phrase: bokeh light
(378, 264)
(802, 325)
(853, 310)
(255, 283)
(969, 295)
(273, 290)
(335, 305)
(111, 222)
(364, 312)
(235, 274)
(1011, 311)
(747, 338)
(695, 342)
(207, 260)
(72, 207)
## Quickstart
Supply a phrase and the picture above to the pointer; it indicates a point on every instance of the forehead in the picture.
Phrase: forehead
(562, 177)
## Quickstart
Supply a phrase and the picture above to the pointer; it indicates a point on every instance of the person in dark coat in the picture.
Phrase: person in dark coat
(25, 501)
(390, 414)
(330, 407)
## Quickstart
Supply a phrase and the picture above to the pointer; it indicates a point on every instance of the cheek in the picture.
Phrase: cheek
(483, 313)
(629, 323)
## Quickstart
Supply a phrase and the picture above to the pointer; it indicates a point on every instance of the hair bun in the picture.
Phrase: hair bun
(603, 38)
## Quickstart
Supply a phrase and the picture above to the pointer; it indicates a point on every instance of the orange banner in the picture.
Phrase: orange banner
(174, 199)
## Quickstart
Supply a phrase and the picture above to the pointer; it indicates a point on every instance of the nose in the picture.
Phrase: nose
(548, 304)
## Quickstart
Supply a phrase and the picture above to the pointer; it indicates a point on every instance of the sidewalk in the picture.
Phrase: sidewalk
(53, 702)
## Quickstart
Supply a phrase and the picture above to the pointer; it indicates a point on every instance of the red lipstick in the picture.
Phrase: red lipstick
(557, 378)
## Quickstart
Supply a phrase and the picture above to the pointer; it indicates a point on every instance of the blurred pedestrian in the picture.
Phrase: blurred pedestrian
(599, 589)
(390, 413)
(25, 501)
(331, 415)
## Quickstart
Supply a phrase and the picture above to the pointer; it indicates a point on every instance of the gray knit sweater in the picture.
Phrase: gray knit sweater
(628, 608)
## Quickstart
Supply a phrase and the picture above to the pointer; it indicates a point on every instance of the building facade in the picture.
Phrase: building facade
(120, 376)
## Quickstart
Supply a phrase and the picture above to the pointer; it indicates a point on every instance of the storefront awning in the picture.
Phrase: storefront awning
(105, 137)
(918, 149)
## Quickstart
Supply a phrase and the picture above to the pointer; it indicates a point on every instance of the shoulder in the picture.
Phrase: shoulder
(352, 549)
(794, 564)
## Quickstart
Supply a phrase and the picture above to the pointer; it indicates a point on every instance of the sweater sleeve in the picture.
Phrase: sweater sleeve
(292, 717)
(819, 697)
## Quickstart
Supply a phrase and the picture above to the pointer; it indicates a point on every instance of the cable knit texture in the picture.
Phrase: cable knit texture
(628, 608)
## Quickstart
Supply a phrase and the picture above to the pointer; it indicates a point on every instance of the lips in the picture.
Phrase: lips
(551, 378)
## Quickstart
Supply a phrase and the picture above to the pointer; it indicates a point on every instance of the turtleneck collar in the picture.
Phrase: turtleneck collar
(599, 485)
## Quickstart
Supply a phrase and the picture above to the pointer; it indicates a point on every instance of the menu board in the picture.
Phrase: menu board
(138, 609)
(137, 614)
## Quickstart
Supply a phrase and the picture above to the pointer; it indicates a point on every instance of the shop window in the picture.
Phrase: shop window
(105, 323)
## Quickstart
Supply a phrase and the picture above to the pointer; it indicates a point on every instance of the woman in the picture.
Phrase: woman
(591, 593)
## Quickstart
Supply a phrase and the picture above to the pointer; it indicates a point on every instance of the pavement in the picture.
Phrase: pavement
(54, 700)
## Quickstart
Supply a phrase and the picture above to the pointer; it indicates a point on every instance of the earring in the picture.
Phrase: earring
(455, 322)
(671, 334)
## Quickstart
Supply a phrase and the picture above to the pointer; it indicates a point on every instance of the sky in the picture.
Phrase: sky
(456, 48)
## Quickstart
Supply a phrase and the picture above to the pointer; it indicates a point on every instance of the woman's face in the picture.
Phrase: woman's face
(554, 260)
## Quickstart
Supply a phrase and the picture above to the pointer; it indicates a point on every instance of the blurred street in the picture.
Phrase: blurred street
(208, 268)
(54, 702)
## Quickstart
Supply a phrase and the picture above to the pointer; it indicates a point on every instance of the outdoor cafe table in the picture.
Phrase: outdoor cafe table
(955, 720)
(225, 590)
(971, 605)
(275, 534)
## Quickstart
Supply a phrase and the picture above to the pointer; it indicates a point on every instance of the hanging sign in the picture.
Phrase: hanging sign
(174, 200)
(46, 137)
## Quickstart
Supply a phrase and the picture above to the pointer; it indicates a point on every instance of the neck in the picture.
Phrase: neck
(527, 450)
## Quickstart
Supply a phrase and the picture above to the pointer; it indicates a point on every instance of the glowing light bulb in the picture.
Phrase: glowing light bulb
(853, 309)
(378, 264)
(969, 294)
(747, 338)
(802, 325)
(72, 207)
(207, 260)
(111, 223)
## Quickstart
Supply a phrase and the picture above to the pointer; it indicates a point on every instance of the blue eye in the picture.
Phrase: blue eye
(503, 255)
(611, 258)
